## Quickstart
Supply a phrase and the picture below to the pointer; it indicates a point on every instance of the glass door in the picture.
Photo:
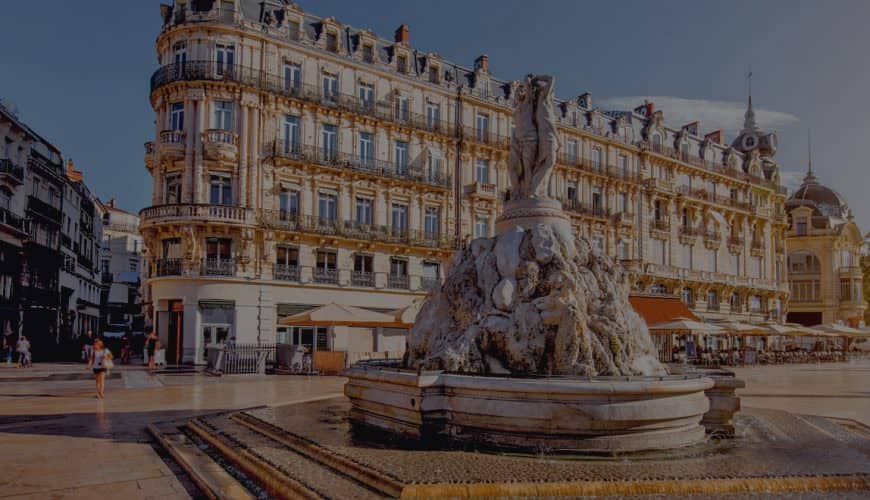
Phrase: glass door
(213, 335)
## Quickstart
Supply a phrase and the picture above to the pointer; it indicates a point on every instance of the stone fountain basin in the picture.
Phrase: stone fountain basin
(559, 414)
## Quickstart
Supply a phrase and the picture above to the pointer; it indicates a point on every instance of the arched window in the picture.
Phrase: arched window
(688, 296)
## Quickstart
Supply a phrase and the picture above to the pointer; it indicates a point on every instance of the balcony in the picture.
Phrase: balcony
(588, 165)
(655, 184)
(185, 213)
(757, 248)
(735, 244)
(850, 272)
(586, 209)
(167, 267)
(44, 209)
(326, 276)
(660, 229)
(485, 137)
(150, 155)
(218, 267)
(11, 172)
(276, 84)
(362, 278)
(307, 153)
(172, 144)
(284, 272)
(712, 239)
(482, 190)
(308, 224)
(398, 281)
(713, 306)
(221, 145)
(689, 235)
(12, 221)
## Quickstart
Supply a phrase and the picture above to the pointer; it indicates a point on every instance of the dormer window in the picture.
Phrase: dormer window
(402, 64)
(293, 26)
(331, 42)
(801, 226)
(368, 53)
(434, 74)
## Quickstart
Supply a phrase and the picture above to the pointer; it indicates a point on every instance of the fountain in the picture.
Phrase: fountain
(531, 341)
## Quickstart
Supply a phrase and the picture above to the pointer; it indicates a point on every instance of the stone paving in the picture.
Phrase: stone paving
(58, 441)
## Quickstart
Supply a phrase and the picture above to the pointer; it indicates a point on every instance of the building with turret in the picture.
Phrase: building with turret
(298, 161)
(824, 257)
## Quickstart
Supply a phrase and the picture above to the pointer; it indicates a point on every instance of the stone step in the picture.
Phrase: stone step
(281, 470)
(210, 477)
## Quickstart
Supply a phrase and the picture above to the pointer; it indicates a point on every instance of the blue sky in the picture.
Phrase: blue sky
(78, 71)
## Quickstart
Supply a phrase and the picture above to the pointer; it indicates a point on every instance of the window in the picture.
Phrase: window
(622, 203)
(326, 267)
(326, 207)
(399, 218)
(598, 241)
(735, 264)
(624, 250)
(223, 115)
(433, 115)
(713, 300)
(481, 171)
(482, 127)
(328, 142)
(287, 256)
(687, 297)
(364, 211)
(363, 270)
(572, 151)
(291, 134)
(332, 42)
(572, 191)
(330, 86)
(368, 53)
(756, 268)
(218, 249)
(686, 253)
(734, 302)
(685, 220)
(432, 221)
(403, 108)
(434, 166)
(398, 267)
(366, 95)
(659, 253)
(292, 77)
(288, 201)
(173, 189)
(657, 211)
(401, 157)
(805, 290)
(481, 227)
(176, 116)
(596, 158)
(712, 260)
(658, 289)
(431, 272)
(434, 74)
(225, 59)
(402, 63)
(597, 201)
(622, 165)
(366, 147)
(221, 190)
(180, 57)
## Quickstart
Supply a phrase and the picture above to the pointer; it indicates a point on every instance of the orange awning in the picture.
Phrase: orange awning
(655, 310)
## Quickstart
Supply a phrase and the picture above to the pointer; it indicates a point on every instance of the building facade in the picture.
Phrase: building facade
(80, 278)
(121, 267)
(824, 257)
(303, 161)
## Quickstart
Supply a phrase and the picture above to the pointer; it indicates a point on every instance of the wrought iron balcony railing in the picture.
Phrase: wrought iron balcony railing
(326, 275)
(323, 156)
(285, 272)
(11, 169)
(168, 267)
(362, 278)
(10, 219)
(279, 85)
(398, 281)
(218, 266)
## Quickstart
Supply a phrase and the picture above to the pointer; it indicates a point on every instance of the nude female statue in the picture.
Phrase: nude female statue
(535, 144)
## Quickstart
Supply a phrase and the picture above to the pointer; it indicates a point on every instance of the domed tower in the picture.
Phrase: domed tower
(824, 256)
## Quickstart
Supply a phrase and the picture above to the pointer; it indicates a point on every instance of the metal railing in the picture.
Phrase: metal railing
(398, 281)
(221, 136)
(588, 209)
(205, 211)
(284, 272)
(323, 156)
(172, 137)
(11, 169)
(239, 358)
(43, 208)
(326, 276)
(10, 219)
(204, 70)
(218, 267)
(661, 225)
(362, 278)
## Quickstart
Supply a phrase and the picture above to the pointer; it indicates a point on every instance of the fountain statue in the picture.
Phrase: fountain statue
(536, 299)
(531, 341)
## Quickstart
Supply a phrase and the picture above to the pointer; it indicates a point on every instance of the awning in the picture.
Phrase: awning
(737, 328)
(341, 315)
(686, 325)
(657, 309)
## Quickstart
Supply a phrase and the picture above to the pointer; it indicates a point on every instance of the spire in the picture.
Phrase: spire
(749, 124)
(810, 177)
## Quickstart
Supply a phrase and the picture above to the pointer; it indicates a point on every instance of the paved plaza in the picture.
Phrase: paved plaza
(57, 441)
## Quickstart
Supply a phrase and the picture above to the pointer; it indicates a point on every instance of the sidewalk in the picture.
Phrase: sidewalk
(57, 441)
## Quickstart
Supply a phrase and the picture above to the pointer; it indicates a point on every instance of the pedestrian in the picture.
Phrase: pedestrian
(23, 348)
(151, 349)
(100, 362)
(87, 346)
(7, 349)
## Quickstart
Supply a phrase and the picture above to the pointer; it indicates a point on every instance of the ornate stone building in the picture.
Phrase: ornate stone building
(824, 257)
(299, 161)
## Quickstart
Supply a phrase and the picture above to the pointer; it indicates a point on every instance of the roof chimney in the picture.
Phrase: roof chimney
(403, 35)
(585, 100)
(482, 63)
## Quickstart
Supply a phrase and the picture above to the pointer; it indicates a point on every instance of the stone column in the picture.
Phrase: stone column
(200, 193)
(188, 178)
(242, 173)
(255, 187)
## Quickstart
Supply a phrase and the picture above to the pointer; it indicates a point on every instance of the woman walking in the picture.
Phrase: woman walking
(100, 362)
(151, 350)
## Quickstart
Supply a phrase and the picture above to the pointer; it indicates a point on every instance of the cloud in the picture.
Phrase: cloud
(713, 115)
(791, 179)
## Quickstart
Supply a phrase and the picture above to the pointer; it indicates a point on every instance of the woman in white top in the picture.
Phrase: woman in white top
(100, 362)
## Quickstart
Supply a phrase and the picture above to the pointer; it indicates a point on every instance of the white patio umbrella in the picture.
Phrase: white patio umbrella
(686, 325)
